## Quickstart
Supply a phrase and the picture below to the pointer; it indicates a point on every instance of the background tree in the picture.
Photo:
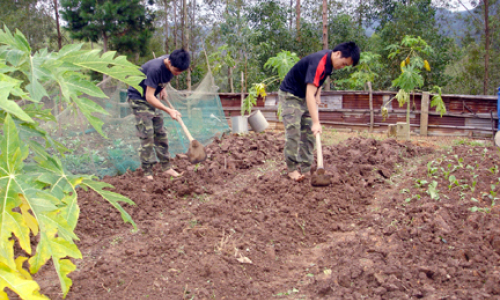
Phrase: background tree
(33, 19)
(125, 25)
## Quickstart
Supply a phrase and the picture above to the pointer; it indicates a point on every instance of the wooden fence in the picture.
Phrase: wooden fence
(468, 116)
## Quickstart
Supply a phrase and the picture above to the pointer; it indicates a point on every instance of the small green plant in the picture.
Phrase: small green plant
(282, 63)
(432, 190)
(460, 161)
(431, 171)
(479, 209)
(474, 183)
(420, 183)
(450, 169)
(453, 182)
(494, 170)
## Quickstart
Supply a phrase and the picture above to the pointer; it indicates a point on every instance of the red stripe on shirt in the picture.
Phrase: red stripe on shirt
(319, 71)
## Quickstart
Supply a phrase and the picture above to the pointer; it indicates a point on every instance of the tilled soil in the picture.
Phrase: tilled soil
(390, 226)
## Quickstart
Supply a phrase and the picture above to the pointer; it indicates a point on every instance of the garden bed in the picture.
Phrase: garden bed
(399, 221)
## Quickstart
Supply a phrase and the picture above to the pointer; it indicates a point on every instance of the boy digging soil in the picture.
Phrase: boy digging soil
(300, 95)
(147, 110)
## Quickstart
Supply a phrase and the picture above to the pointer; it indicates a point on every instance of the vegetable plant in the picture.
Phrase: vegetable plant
(38, 196)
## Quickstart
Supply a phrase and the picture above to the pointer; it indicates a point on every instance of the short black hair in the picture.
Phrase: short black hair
(349, 49)
(180, 59)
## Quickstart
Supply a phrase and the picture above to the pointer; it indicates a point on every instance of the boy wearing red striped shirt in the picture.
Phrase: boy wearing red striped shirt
(300, 94)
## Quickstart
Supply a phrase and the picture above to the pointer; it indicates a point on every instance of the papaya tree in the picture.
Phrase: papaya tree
(281, 64)
(38, 196)
(411, 51)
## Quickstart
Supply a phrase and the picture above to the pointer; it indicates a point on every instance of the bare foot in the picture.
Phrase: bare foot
(295, 175)
(172, 172)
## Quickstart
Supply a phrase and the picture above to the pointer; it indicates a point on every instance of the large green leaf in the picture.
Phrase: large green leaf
(12, 154)
(282, 63)
(120, 69)
(113, 198)
(7, 85)
(56, 248)
(19, 281)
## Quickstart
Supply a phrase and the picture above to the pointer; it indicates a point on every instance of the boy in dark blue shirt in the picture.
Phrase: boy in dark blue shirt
(300, 94)
(147, 108)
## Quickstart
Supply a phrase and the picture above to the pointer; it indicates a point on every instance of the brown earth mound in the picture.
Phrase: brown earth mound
(235, 227)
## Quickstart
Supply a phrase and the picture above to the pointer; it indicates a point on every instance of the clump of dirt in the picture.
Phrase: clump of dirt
(235, 227)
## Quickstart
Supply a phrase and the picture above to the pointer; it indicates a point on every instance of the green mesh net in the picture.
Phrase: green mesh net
(201, 111)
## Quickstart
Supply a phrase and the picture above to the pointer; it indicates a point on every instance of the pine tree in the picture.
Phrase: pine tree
(124, 25)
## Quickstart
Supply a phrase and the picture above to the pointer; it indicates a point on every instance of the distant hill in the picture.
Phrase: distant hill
(451, 24)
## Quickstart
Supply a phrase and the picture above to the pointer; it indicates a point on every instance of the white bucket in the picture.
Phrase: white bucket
(239, 124)
(257, 121)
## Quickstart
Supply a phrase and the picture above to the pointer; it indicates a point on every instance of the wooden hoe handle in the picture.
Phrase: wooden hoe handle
(320, 151)
(179, 119)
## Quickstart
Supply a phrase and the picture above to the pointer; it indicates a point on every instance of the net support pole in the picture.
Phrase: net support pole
(498, 108)
(242, 88)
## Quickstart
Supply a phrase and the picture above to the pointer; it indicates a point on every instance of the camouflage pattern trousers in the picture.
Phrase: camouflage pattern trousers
(300, 141)
(152, 134)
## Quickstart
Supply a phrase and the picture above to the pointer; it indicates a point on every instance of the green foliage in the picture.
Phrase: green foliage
(257, 89)
(437, 101)
(126, 24)
(282, 63)
(369, 63)
(37, 195)
(410, 50)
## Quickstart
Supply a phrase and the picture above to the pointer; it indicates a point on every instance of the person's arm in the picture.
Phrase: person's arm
(151, 98)
(313, 107)
(318, 95)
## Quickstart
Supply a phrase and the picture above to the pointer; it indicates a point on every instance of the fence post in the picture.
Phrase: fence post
(424, 113)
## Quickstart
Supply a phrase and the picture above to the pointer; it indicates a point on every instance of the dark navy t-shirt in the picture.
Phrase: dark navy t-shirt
(313, 68)
(157, 77)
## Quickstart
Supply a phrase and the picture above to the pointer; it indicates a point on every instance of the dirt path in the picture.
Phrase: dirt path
(234, 227)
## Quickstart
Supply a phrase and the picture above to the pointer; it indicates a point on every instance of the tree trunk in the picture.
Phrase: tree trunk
(325, 37)
(189, 40)
(104, 49)
(165, 7)
(297, 21)
(59, 37)
(184, 22)
(175, 38)
(230, 78)
(290, 25)
(486, 46)
(175, 24)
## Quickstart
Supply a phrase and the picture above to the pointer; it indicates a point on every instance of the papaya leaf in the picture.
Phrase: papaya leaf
(437, 101)
(121, 69)
(19, 281)
(250, 100)
(12, 154)
(409, 79)
(73, 84)
(55, 248)
(7, 85)
(282, 63)
(113, 198)
(403, 97)
(87, 107)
